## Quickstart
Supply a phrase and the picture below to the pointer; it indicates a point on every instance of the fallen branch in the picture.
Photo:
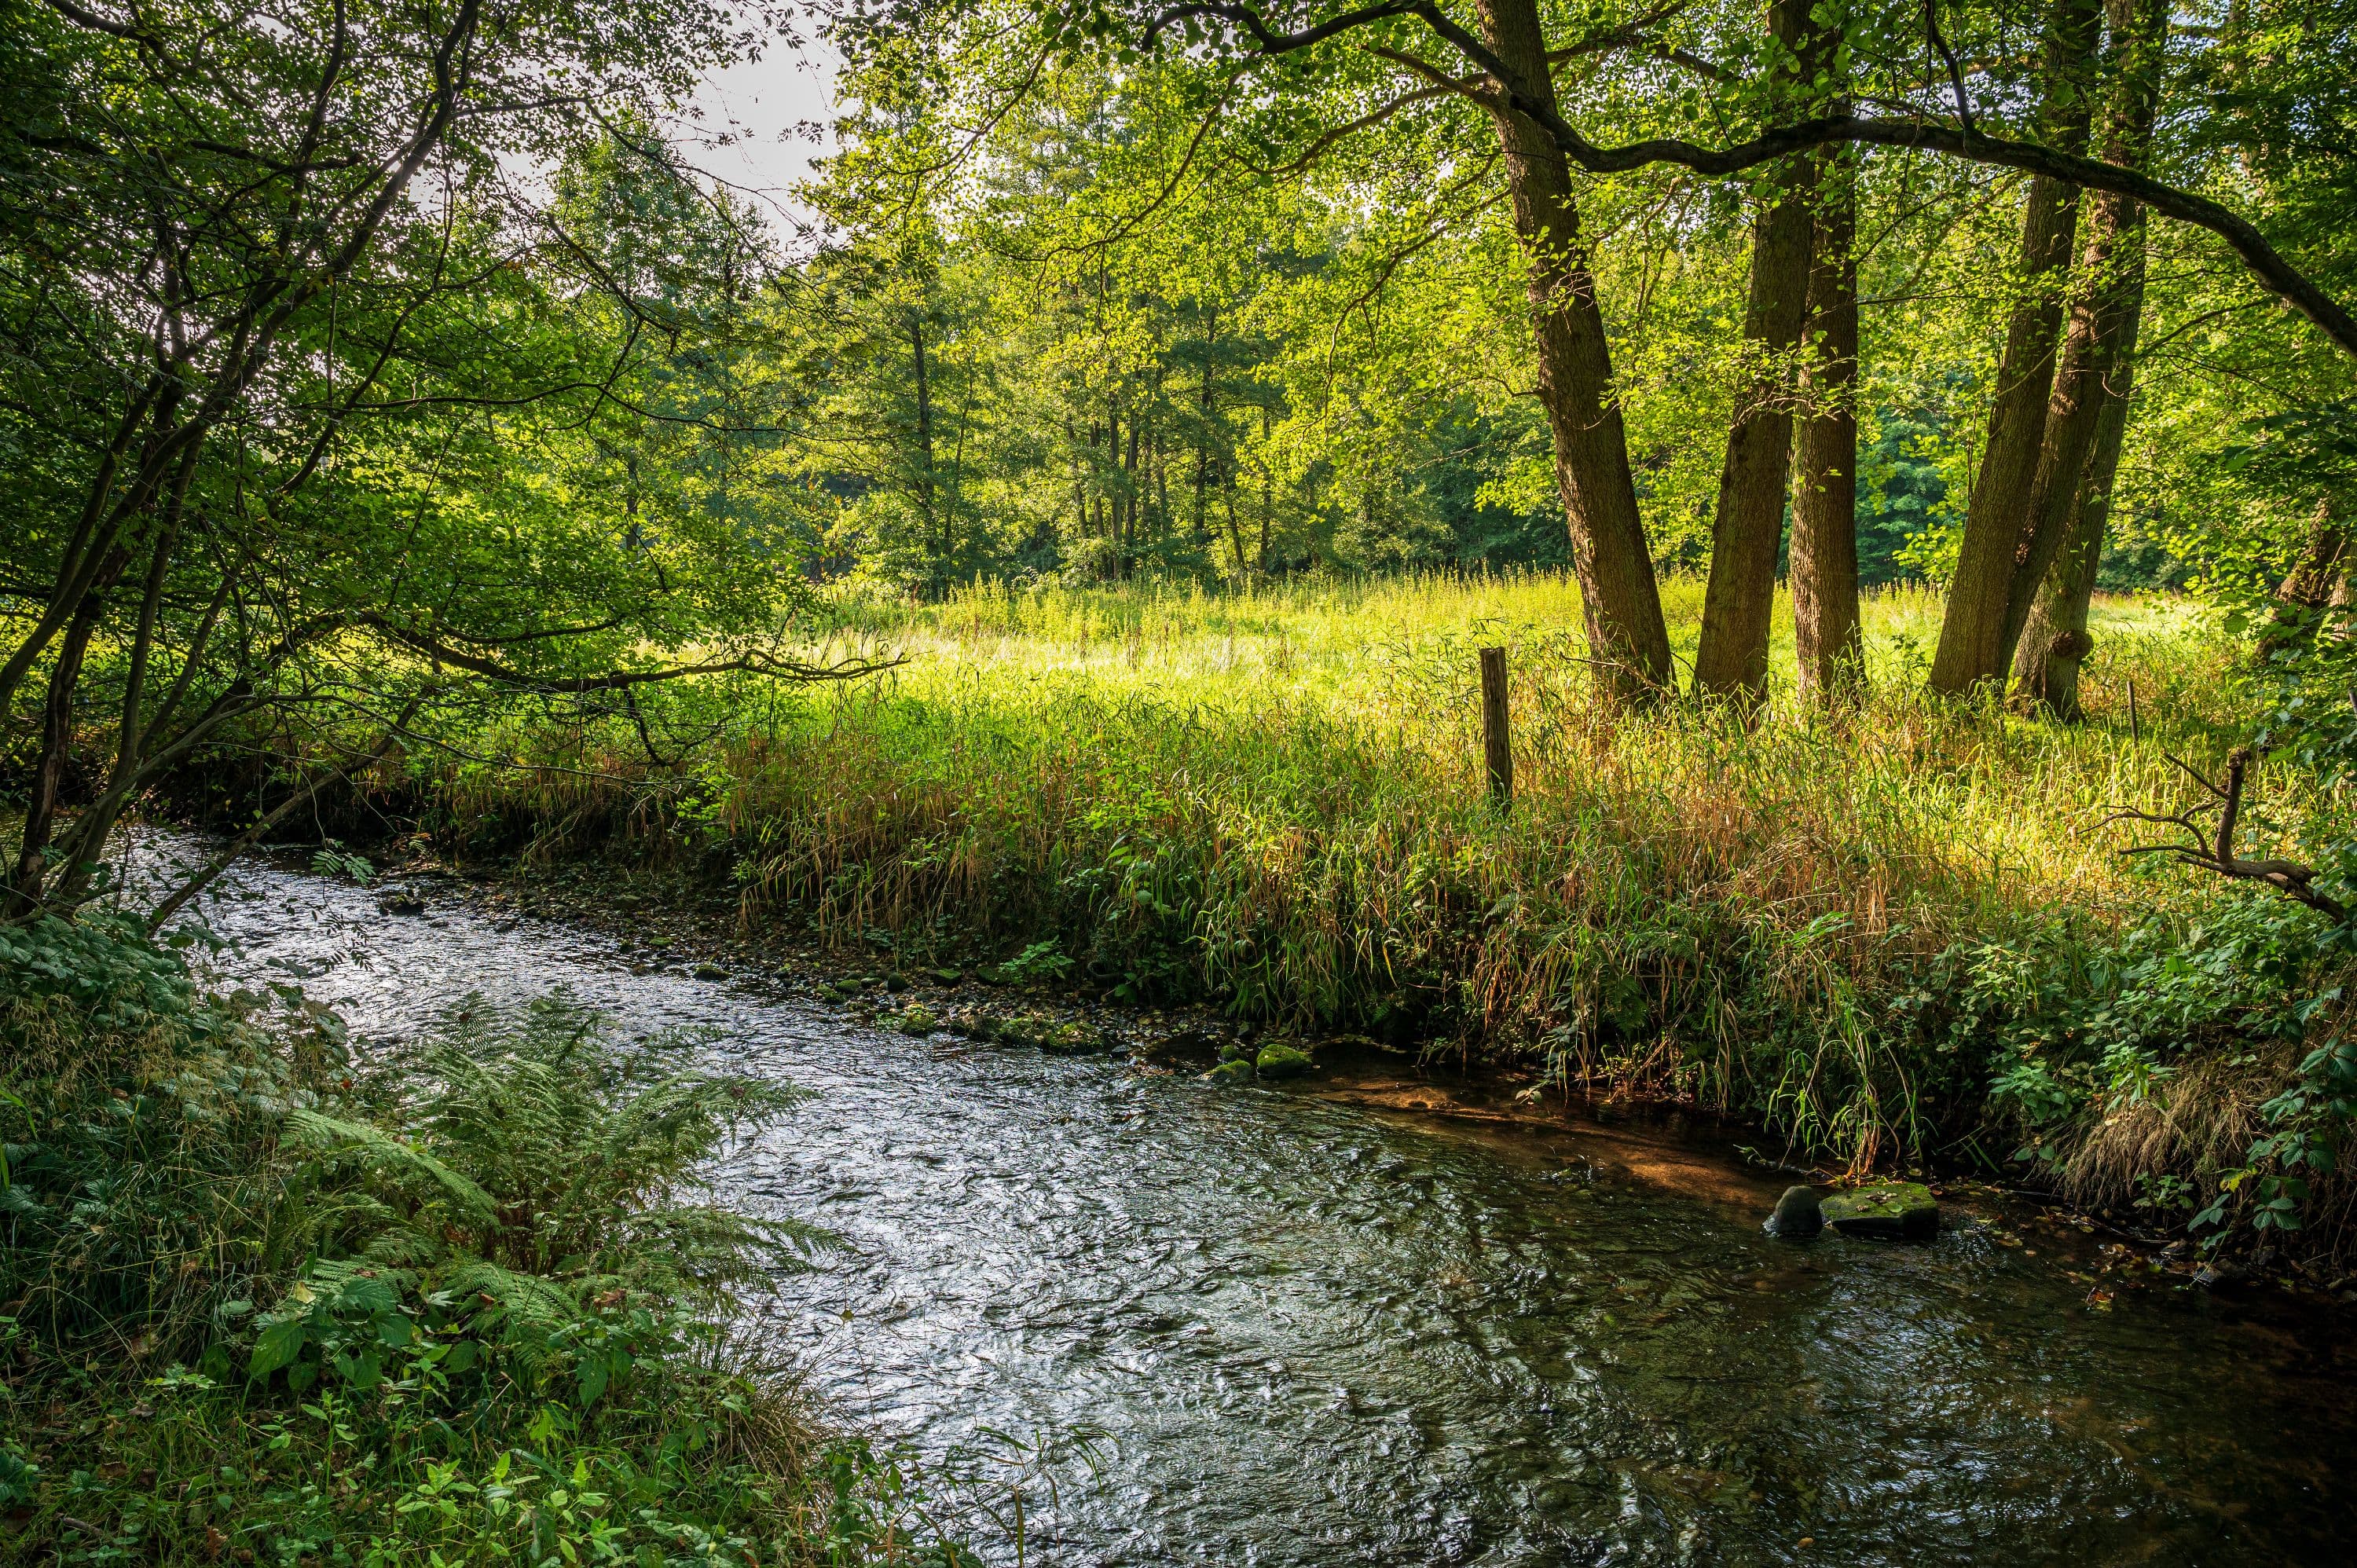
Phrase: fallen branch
(2212, 849)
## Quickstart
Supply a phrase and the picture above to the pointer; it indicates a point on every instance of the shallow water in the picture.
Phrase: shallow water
(1309, 1332)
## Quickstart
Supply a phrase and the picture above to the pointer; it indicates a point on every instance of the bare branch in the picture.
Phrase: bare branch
(2213, 849)
(756, 663)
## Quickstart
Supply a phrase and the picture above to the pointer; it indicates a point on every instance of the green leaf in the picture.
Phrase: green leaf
(278, 1345)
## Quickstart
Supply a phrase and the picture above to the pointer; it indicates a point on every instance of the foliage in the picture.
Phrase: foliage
(1903, 937)
(266, 1299)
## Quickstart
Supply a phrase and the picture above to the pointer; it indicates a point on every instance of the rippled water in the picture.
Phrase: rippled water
(1319, 1333)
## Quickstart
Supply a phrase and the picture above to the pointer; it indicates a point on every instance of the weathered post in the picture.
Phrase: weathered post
(1497, 741)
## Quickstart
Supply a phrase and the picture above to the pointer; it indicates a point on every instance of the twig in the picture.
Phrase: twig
(2213, 849)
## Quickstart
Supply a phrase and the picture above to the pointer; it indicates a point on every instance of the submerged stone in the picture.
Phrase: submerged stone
(1887, 1210)
(1282, 1061)
(1798, 1213)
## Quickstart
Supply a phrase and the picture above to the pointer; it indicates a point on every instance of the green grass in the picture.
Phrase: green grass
(1274, 800)
(1903, 935)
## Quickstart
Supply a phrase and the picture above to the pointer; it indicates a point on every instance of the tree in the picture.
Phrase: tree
(328, 410)
(1747, 525)
(2063, 514)
(1828, 640)
(1973, 647)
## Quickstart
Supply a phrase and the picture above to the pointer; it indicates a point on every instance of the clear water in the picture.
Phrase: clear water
(1309, 1332)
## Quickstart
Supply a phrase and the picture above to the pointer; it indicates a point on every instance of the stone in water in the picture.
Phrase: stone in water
(1797, 1214)
(1887, 1210)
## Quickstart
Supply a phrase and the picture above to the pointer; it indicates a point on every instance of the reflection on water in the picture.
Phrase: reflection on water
(1316, 1333)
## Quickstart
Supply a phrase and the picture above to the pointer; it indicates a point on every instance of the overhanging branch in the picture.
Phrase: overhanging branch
(1912, 134)
(755, 662)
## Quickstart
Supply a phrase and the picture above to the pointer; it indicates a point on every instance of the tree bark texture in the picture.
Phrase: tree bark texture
(1620, 599)
(2311, 584)
(1972, 647)
(2054, 640)
(2100, 343)
(1826, 633)
(1747, 525)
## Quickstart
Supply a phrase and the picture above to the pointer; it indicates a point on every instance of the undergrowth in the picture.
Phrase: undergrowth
(263, 1303)
(1899, 935)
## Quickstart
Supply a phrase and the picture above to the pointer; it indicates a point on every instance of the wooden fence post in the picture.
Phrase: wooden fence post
(1497, 740)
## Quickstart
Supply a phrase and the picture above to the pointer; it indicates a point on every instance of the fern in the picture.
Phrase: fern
(544, 1150)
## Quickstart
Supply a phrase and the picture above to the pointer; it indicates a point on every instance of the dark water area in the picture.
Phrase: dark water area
(1299, 1331)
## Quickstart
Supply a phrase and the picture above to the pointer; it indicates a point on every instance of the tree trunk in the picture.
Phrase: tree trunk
(2309, 587)
(2101, 340)
(1619, 600)
(56, 743)
(1747, 526)
(1267, 492)
(2054, 640)
(1972, 647)
(924, 424)
(1133, 499)
(1205, 395)
(1826, 628)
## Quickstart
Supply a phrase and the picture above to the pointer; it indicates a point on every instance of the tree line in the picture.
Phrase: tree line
(387, 360)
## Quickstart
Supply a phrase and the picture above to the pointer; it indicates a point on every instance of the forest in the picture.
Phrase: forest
(1026, 578)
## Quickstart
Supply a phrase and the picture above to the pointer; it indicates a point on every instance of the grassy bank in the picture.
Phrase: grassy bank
(1901, 936)
(261, 1303)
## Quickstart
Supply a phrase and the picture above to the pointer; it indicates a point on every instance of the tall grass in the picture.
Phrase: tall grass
(1274, 800)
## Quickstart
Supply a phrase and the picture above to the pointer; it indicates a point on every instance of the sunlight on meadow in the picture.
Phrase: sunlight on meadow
(1977, 799)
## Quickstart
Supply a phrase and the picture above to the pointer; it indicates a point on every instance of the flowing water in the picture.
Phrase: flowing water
(1299, 1331)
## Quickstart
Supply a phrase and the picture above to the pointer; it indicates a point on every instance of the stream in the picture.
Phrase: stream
(1295, 1330)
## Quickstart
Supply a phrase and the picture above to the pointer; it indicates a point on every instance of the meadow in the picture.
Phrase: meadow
(1903, 935)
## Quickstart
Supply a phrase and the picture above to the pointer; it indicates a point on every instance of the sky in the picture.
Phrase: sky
(749, 128)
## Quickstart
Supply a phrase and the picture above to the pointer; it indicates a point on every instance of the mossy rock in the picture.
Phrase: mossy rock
(1235, 1070)
(1072, 1040)
(912, 1020)
(710, 971)
(1887, 1210)
(1282, 1061)
(1234, 1050)
(1023, 1030)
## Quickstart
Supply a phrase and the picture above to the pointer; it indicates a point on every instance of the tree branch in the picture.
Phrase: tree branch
(1914, 133)
(2213, 849)
(754, 663)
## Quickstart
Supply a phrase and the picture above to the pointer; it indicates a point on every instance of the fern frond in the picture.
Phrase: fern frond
(392, 1157)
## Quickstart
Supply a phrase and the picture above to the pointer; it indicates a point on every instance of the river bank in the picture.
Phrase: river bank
(266, 1298)
(664, 921)
(1901, 938)
(1254, 1321)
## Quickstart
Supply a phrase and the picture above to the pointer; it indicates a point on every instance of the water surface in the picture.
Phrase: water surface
(1309, 1332)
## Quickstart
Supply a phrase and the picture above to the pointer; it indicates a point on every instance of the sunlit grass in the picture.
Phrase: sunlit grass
(1275, 799)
